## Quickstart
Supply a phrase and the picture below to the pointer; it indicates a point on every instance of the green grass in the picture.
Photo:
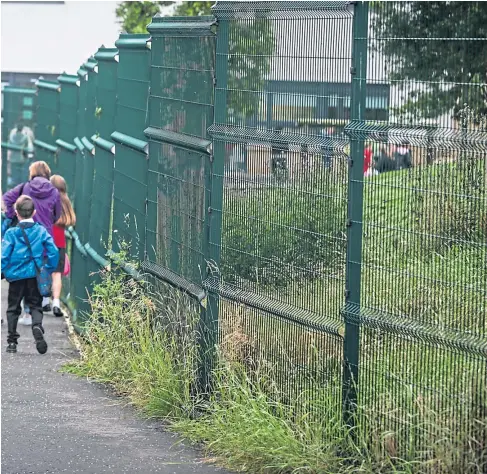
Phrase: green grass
(276, 403)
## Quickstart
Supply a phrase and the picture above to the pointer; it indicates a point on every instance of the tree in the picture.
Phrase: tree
(194, 8)
(135, 16)
(453, 69)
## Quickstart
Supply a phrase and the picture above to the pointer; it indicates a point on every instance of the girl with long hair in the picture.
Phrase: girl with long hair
(68, 218)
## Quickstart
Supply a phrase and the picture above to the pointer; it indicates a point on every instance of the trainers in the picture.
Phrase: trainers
(47, 308)
(57, 312)
(41, 344)
(12, 348)
(26, 320)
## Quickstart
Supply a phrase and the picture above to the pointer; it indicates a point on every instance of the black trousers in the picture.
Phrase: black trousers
(18, 290)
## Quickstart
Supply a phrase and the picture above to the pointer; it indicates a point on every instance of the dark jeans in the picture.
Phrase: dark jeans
(28, 290)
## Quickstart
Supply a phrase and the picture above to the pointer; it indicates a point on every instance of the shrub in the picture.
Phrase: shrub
(282, 235)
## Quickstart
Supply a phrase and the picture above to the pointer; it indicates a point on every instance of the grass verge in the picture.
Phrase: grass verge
(141, 341)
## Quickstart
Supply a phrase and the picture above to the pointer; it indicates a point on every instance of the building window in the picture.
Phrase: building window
(28, 101)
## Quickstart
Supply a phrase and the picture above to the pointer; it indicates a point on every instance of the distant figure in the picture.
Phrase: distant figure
(384, 162)
(367, 158)
(278, 160)
(402, 156)
(18, 159)
(328, 154)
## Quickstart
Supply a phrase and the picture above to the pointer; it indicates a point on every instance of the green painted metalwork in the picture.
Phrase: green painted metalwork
(131, 161)
(81, 262)
(180, 111)
(65, 164)
(355, 212)
(47, 116)
(19, 104)
(104, 125)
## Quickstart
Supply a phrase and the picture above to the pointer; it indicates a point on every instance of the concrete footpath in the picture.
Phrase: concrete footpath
(58, 423)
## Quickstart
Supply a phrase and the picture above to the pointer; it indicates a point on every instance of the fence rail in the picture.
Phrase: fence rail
(229, 156)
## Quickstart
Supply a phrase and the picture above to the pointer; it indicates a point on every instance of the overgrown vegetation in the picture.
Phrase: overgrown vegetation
(277, 235)
(143, 344)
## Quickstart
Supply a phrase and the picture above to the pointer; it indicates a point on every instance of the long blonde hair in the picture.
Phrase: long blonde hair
(68, 217)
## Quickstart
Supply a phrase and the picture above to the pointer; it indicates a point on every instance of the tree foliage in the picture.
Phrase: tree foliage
(426, 42)
(135, 16)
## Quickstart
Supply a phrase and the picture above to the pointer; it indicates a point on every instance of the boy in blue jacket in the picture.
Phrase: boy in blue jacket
(19, 269)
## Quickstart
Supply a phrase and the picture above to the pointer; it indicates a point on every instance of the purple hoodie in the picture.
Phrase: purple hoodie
(46, 199)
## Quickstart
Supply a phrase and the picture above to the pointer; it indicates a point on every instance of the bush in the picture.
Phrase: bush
(282, 235)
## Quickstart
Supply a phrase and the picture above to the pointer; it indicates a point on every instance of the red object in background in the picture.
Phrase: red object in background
(367, 159)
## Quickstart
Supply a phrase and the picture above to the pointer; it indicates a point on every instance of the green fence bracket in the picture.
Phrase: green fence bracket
(79, 144)
(48, 85)
(188, 142)
(66, 145)
(96, 257)
(10, 146)
(134, 143)
(77, 241)
(175, 280)
(133, 41)
(105, 144)
(88, 145)
(45, 146)
(125, 266)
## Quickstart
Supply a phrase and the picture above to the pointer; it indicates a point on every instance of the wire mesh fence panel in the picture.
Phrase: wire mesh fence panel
(65, 162)
(104, 125)
(283, 239)
(423, 363)
(47, 121)
(180, 111)
(131, 160)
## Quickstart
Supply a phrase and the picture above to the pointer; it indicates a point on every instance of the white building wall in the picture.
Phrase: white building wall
(50, 37)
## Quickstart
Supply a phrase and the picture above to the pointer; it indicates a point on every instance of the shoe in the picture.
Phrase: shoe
(47, 308)
(26, 320)
(12, 348)
(41, 344)
(57, 312)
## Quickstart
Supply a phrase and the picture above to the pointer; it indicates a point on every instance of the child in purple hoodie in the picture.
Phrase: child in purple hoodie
(46, 197)
(47, 202)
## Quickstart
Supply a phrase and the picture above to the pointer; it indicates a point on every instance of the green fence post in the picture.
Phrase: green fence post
(47, 127)
(131, 160)
(101, 202)
(215, 170)
(355, 216)
(82, 264)
(68, 129)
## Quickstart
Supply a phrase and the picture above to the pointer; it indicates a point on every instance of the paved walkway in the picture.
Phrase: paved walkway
(57, 423)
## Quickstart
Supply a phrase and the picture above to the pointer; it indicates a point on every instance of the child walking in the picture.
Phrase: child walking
(68, 218)
(25, 248)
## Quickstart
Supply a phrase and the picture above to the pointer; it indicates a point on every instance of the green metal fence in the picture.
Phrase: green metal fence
(19, 106)
(313, 176)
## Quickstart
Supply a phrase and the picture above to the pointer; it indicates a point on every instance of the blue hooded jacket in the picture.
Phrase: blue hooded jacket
(17, 263)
